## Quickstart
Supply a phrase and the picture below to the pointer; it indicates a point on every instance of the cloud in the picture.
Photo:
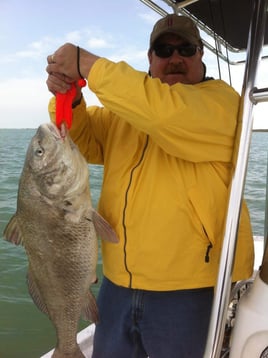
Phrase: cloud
(25, 96)
(132, 55)
(260, 115)
(30, 59)
(99, 43)
(26, 102)
(74, 36)
(47, 44)
(149, 17)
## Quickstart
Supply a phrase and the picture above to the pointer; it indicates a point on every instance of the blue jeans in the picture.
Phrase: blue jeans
(137, 323)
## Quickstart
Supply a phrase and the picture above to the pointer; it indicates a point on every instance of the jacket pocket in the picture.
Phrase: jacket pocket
(209, 203)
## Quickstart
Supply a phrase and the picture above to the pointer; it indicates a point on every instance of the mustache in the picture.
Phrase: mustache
(175, 69)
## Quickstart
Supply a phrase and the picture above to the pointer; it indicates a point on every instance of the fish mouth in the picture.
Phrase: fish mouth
(58, 133)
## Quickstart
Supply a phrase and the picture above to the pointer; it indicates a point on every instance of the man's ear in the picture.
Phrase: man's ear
(149, 54)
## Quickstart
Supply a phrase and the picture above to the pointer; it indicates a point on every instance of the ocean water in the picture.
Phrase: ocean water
(24, 330)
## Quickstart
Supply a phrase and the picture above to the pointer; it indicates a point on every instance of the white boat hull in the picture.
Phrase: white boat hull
(250, 335)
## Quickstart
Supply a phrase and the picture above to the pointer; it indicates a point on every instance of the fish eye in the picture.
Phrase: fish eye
(39, 152)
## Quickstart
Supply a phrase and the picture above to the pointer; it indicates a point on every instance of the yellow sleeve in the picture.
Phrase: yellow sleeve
(193, 122)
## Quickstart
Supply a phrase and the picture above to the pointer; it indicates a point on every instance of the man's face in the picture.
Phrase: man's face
(176, 68)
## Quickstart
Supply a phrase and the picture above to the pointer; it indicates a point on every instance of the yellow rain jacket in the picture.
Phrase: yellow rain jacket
(166, 152)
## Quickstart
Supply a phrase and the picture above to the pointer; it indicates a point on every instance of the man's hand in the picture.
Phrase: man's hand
(70, 61)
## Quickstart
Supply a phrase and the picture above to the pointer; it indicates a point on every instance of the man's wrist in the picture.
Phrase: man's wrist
(77, 102)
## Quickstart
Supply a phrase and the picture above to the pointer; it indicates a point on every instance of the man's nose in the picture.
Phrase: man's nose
(176, 57)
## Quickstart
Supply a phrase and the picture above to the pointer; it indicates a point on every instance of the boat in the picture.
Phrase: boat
(239, 319)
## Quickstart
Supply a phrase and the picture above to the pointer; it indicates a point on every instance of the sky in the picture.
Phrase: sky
(118, 30)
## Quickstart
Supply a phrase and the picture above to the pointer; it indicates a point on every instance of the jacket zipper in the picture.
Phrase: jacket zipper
(125, 209)
(209, 247)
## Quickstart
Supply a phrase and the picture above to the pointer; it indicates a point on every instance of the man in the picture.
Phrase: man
(166, 142)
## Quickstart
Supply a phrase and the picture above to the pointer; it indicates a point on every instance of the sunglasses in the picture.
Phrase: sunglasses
(166, 50)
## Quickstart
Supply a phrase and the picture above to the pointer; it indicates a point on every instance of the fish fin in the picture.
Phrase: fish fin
(90, 309)
(95, 280)
(35, 294)
(103, 228)
(12, 232)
